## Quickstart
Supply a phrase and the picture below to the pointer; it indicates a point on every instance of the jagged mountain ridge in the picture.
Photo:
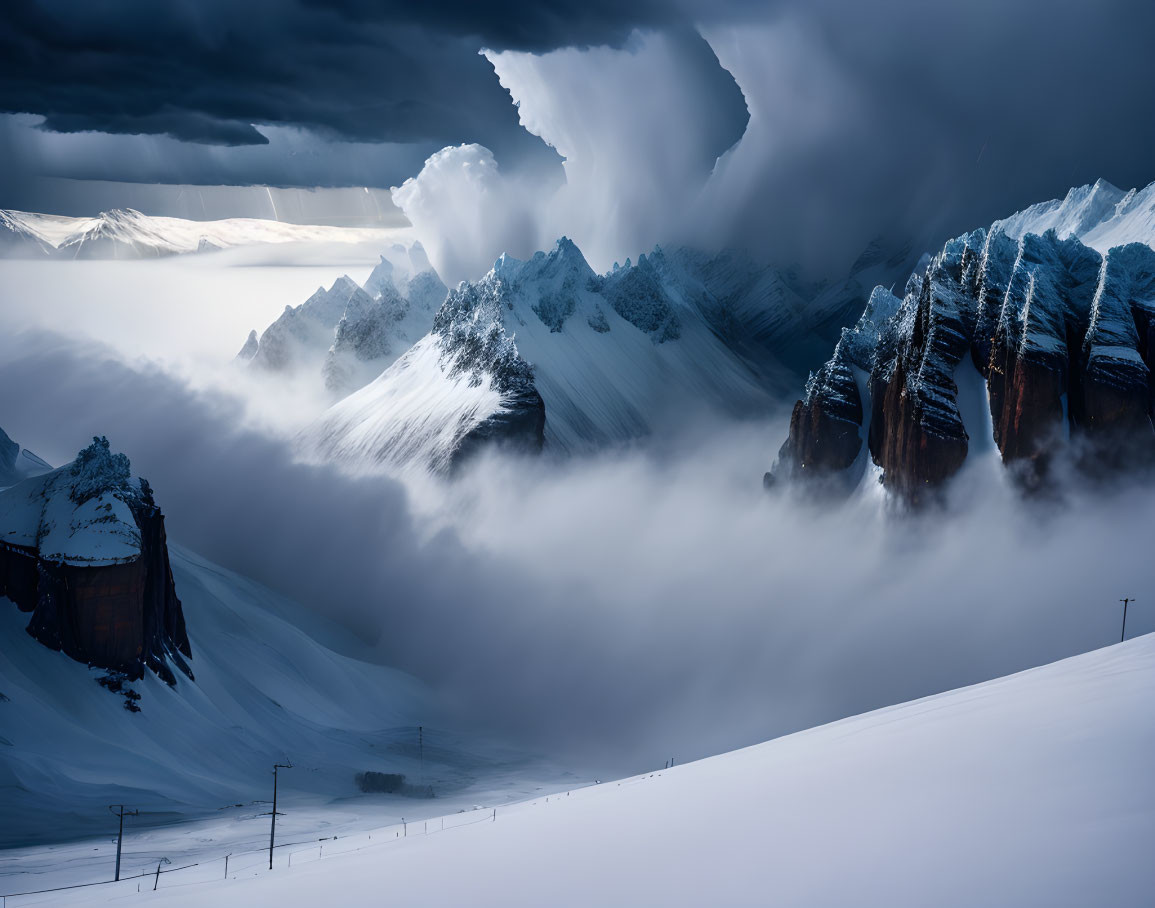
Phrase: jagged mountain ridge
(349, 334)
(609, 358)
(1058, 332)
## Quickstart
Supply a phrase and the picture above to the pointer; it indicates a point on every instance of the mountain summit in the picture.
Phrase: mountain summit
(547, 354)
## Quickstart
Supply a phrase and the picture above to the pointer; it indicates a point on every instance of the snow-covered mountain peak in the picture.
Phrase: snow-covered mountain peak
(550, 286)
(564, 263)
(120, 216)
(1100, 214)
(81, 513)
(381, 278)
(349, 334)
(647, 295)
(545, 351)
(505, 264)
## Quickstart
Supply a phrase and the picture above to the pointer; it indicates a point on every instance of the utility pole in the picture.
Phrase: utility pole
(421, 753)
(273, 824)
(118, 810)
(1125, 602)
(156, 882)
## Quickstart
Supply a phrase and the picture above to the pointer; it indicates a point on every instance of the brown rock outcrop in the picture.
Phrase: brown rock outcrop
(100, 588)
(1062, 336)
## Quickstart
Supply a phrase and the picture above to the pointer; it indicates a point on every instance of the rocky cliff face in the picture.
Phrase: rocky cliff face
(83, 548)
(1060, 334)
(826, 425)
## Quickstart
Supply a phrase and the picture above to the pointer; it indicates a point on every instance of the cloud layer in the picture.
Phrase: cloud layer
(803, 133)
(901, 119)
(614, 611)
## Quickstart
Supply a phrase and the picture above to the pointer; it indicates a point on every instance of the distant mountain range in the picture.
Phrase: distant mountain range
(546, 354)
(128, 234)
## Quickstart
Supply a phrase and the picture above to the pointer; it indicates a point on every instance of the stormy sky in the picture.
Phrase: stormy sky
(834, 122)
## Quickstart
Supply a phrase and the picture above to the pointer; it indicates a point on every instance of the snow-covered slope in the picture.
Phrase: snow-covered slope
(126, 233)
(613, 357)
(1100, 215)
(266, 689)
(1033, 789)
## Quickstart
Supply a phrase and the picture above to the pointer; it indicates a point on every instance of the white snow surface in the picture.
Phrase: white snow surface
(412, 417)
(39, 513)
(1034, 789)
(126, 233)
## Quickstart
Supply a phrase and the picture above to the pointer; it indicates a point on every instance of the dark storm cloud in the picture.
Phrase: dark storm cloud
(520, 24)
(206, 71)
(905, 119)
(894, 120)
(942, 116)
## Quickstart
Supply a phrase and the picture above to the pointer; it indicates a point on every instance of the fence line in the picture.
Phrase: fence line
(400, 830)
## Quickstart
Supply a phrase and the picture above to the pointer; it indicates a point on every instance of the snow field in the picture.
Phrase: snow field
(1034, 789)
